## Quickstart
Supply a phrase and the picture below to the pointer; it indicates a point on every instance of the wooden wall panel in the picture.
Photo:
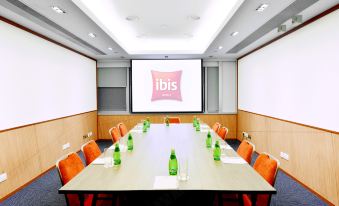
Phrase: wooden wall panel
(29, 151)
(312, 152)
(335, 138)
(108, 121)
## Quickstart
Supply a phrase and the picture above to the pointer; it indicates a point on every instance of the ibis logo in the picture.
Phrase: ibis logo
(166, 85)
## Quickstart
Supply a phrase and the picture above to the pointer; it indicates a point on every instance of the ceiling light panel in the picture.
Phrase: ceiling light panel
(207, 18)
(262, 7)
(58, 10)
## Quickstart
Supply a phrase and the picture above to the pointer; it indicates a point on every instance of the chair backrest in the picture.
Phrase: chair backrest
(123, 129)
(267, 166)
(223, 132)
(245, 150)
(216, 127)
(115, 134)
(91, 151)
(173, 120)
(68, 167)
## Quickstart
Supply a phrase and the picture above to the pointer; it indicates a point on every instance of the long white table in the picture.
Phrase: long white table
(150, 159)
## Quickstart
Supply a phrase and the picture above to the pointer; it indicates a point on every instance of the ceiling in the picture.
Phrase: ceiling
(153, 29)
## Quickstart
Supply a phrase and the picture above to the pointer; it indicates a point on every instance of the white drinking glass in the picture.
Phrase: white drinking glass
(108, 158)
(183, 169)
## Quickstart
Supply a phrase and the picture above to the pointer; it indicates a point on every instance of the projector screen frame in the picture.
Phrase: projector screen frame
(42, 36)
(309, 21)
(169, 112)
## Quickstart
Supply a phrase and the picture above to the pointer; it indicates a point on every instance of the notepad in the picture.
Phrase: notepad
(222, 146)
(225, 146)
(233, 160)
(165, 182)
(139, 131)
(204, 126)
(99, 161)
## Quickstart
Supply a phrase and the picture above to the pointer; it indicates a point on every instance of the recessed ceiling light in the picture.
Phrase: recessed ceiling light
(92, 35)
(262, 7)
(110, 48)
(132, 18)
(58, 10)
(193, 17)
(210, 56)
(234, 33)
(220, 47)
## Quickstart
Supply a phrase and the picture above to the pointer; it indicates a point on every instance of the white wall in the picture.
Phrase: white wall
(296, 77)
(40, 80)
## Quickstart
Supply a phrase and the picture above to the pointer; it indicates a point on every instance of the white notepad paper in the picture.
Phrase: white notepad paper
(99, 161)
(138, 131)
(165, 182)
(233, 160)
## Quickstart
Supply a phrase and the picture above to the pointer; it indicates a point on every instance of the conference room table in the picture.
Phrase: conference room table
(150, 159)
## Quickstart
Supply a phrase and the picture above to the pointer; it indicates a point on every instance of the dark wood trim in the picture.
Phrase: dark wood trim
(26, 184)
(29, 182)
(328, 11)
(305, 125)
(50, 40)
(308, 188)
(45, 121)
(332, 9)
(237, 98)
(97, 96)
(42, 36)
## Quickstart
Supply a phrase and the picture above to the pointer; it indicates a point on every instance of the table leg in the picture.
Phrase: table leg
(81, 199)
(254, 199)
(240, 199)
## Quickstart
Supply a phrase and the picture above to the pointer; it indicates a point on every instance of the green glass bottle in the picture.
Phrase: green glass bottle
(167, 121)
(144, 129)
(197, 127)
(194, 121)
(130, 142)
(148, 122)
(116, 155)
(217, 151)
(173, 164)
(209, 140)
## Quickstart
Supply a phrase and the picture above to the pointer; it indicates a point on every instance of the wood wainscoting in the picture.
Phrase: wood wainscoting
(313, 153)
(29, 151)
(105, 122)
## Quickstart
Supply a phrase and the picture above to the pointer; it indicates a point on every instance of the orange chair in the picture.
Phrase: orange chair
(245, 150)
(173, 120)
(267, 166)
(123, 129)
(68, 167)
(115, 134)
(91, 151)
(216, 127)
(223, 132)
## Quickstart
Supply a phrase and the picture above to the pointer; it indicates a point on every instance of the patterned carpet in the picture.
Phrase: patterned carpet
(44, 191)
